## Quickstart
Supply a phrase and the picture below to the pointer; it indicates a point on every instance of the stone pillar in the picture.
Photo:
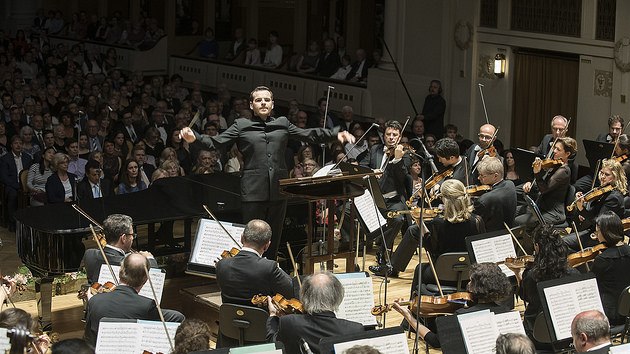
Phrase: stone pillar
(299, 26)
(390, 34)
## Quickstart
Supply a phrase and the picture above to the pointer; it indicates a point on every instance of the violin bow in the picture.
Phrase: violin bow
(295, 269)
(599, 163)
(194, 120)
(437, 281)
(159, 308)
(220, 224)
(515, 239)
(483, 101)
(623, 128)
(588, 269)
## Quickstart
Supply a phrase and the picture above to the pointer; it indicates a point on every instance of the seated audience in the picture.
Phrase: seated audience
(61, 185)
(38, 176)
(130, 180)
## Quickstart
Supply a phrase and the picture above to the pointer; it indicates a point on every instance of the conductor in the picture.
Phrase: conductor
(263, 142)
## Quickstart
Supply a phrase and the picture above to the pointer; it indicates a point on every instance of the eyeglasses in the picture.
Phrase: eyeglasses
(484, 136)
(310, 164)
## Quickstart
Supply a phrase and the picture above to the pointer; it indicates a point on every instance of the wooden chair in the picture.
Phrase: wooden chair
(23, 194)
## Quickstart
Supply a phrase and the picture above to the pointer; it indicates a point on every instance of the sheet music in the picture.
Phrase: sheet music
(153, 337)
(157, 277)
(267, 348)
(358, 298)
(567, 300)
(391, 344)
(620, 349)
(211, 240)
(479, 331)
(366, 209)
(118, 337)
(509, 322)
(494, 249)
(5, 341)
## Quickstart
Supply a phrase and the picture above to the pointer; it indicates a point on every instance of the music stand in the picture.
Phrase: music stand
(327, 344)
(597, 150)
(535, 210)
(523, 160)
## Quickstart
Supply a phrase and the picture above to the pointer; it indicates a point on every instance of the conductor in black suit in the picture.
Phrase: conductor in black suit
(497, 206)
(248, 273)
(92, 186)
(321, 296)
(263, 140)
(119, 235)
(591, 332)
(125, 302)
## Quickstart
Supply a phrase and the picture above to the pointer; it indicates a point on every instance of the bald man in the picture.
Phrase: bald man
(591, 332)
(486, 133)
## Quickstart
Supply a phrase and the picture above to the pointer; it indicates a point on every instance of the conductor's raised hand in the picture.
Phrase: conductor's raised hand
(345, 137)
(187, 134)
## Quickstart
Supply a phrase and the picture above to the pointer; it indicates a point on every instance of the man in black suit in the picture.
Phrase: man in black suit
(321, 295)
(359, 70)
(433, 109)
(558, 126)
(248, 273)
(485, 136)
(615, 127)
(329, 60)
(263, 141)
(447, 151)
(591, 332)
(11, 164)
(125, 302)
(129, 128)
(497, 206)
(92, 186)
(145, 170)
(119, 235)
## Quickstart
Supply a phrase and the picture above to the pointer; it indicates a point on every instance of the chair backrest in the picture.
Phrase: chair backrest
(245, 323)
(623, 307)
(23, 179)
(453, 266)
(570, 197)
(541, 330)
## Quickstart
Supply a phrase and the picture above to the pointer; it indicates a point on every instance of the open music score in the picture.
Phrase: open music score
(117, 336)
(358, 298)
(157, 277)
(365, 207)
(211, 241)
(480, 329)
(5, 342)
(492, 247)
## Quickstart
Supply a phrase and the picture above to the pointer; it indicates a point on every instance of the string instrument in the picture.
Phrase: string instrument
(621, 158)
(287, 306)
(437, 178)
(626, 224)
(231, 253)
(519, 262)
(549, 163)
(430, 305)
(427, 213)
(475, 191)
(587, 255)
(591, 195)
(148, 352)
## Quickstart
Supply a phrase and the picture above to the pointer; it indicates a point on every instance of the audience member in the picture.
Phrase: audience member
(38, 174)
(130, 180)
(273, 55)
(61, 185)
(11, 165)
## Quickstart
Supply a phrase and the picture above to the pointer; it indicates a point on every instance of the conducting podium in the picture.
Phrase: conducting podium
(347, 183)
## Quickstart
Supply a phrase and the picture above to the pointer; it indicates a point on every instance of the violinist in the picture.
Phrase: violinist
(447, 151)
(498, 206)
(119, 234)
(16, 317)
(394, 162)
(559, 128)
(611, 265)
(414, 181)
(248, 273)
(552, 186)
(550, 263)
(478, 151)
(321, 295)
(488, 287)
(600, 200)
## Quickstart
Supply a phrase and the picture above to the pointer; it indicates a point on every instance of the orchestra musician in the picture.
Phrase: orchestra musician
(488, 287)
(486, 136)
(558, 130)
(119, 234)
(447, 151)
(249, 273)
(394, 162)
(550, 263)
(610, 174)
(263, 142)
(611, 265)
(321, 295)
(590, 331)
(497, 206)
(552, 185)
(124, 301)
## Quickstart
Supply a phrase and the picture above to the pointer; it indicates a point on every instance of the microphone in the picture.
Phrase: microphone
(331, 87)
(304, 348)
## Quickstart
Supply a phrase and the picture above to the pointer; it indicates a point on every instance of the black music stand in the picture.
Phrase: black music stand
(345, 186)
(523, 160)
(597, 150)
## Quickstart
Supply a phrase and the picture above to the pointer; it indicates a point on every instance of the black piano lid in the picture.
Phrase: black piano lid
(167, 199)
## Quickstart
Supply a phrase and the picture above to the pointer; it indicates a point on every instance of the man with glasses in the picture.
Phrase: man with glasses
(119, 235)
(486, 133)
(498, 206)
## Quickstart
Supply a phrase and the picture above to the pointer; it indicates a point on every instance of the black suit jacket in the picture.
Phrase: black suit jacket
(84, 189)
(497, 206)
(355, 67)
(93, 260)
(611, 271)
(263, 145)
(8, 169)
(245, 275)
(395, 174)
(328, 64)
(312, 328)
(55, 191)
(124, 302)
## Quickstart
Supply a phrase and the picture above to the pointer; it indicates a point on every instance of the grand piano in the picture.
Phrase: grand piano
(49, 238)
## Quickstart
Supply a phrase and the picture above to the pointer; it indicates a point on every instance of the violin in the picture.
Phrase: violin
(427, 213)
(591, 195)
(621, 158)
(475, 191)
(231, 253)
(148, 352)
(519, 262)
(430, 305)
(97, 288)
(490, 151)
(626, 224)
(587, 255)
(437, 178)
(549, 163)
(287, 306)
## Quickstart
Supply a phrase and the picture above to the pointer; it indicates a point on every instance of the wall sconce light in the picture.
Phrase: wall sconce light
(499, 65)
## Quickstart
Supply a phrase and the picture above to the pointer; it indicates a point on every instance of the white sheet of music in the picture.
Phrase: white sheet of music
(211, 240)
(391, 344)
(366, 209)
(5, 342)
(495, 249)
(509, 322)
(153, 336)
(567, 300)
(479, 331)
(620, 349)
(358, 298)
(157, 277)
